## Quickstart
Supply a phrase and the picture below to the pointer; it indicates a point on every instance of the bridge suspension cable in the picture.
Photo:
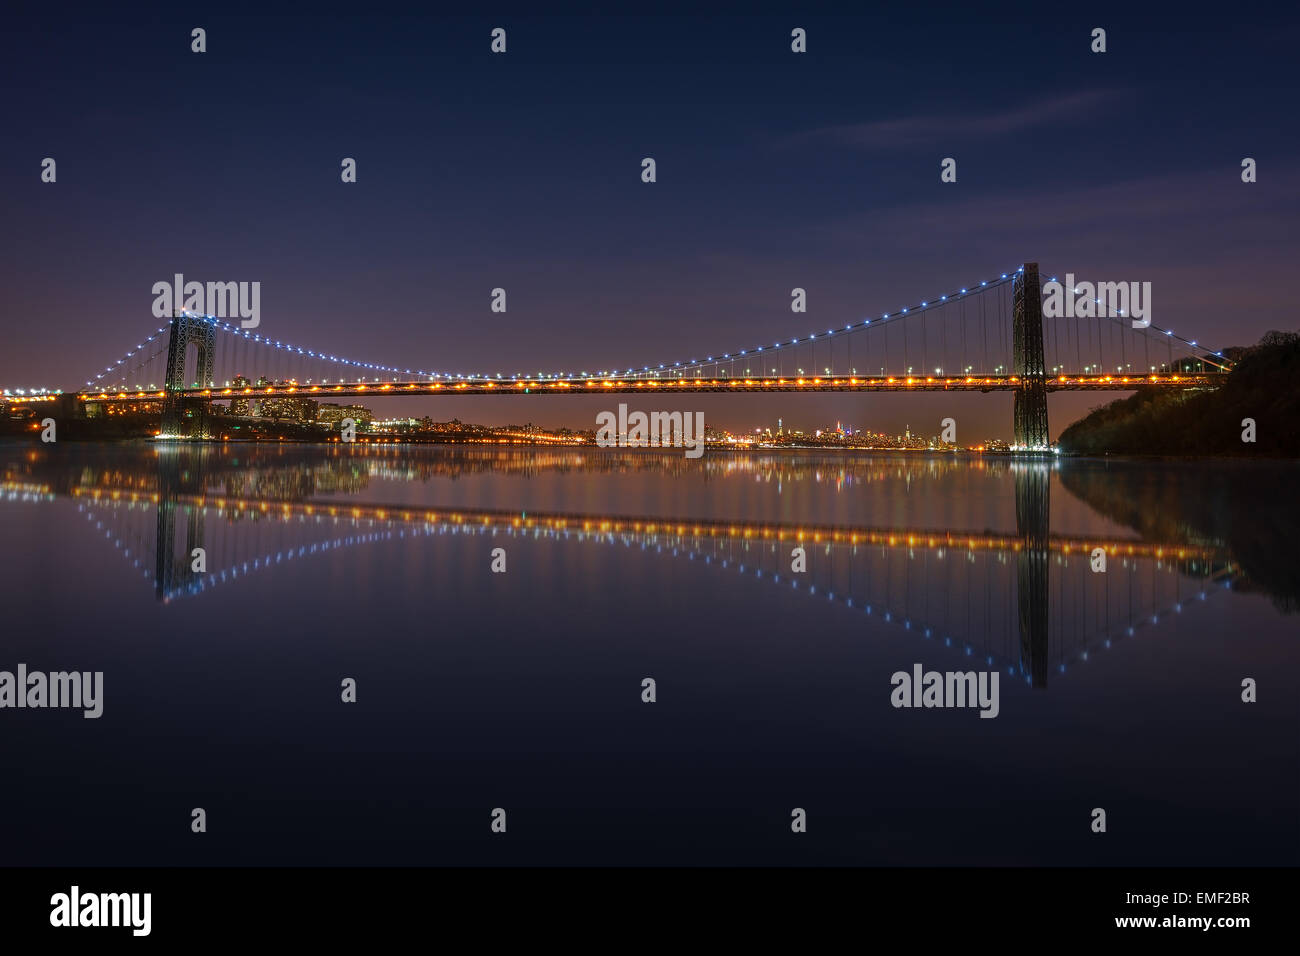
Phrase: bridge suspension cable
(914, 349)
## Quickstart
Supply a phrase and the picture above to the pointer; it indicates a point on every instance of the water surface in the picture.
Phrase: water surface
(522, 689)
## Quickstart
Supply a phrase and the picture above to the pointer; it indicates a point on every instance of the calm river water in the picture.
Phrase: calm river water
(522, 689)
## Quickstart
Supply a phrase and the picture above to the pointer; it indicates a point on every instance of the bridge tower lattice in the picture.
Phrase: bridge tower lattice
(1028, 363)
(186, 329)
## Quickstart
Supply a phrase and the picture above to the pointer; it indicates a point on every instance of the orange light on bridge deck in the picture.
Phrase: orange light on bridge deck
(382, 389)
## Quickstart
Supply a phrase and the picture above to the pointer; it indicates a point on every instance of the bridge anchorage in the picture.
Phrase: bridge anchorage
(988, 336)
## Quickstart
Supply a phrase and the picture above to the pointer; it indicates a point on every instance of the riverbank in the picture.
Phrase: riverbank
(1254, 414)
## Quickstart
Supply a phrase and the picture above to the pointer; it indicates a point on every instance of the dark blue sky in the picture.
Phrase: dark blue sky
(522, 171)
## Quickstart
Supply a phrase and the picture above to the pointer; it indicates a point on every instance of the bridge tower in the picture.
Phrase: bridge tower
(181, 419)
(180, 471)
(1033, 486)
(1030, 422)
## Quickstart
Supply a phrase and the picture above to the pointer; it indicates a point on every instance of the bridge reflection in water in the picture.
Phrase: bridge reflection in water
(1026, 602)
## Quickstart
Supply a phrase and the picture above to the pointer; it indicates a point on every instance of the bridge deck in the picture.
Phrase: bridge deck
(615, 386)
(917, 538)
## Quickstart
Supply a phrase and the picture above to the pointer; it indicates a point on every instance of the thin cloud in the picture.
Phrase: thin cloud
(915, 131)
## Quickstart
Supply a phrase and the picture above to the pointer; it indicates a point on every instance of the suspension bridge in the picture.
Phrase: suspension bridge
(987, 336)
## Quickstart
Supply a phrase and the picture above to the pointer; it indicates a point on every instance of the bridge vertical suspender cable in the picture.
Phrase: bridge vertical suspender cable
(943, 359)
(1084, 329)
(925, 346)
(962, 312)
(1078, 348)
(907, 369)
(1001, 346)
(1101, 361)
(984, 328)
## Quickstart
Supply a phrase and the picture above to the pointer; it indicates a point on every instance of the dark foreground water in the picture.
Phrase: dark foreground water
(522, 690)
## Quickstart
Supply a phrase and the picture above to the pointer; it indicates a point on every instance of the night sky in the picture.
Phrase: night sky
(522, 171)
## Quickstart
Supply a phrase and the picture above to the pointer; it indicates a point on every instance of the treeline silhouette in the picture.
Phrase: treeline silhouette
(1264, 386)
(1250, 509)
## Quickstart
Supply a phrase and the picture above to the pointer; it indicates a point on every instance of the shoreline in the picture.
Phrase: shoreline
(720, 447)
